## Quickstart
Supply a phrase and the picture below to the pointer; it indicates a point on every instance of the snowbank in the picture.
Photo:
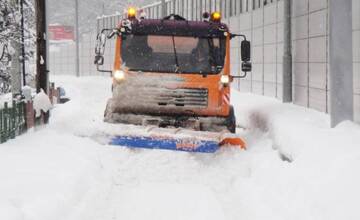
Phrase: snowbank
(44, 175)
(47, 173)
(322, 181)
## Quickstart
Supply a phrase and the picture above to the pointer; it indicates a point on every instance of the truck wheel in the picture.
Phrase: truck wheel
(231, 121)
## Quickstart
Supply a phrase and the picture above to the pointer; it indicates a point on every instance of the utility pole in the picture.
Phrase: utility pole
(287, 57)
(77, 40)
(341, 61)
(42, 76)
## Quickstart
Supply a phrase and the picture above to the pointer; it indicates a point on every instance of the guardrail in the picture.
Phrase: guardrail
(190, 9)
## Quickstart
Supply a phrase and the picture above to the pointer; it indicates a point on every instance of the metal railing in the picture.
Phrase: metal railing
(190, 9)
(12, 120)
(193, 9)
(17, 115)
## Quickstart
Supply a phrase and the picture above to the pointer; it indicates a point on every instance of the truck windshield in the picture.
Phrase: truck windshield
(173, 54)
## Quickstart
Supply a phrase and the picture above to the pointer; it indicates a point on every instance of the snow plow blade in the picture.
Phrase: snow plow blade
(166, 144)
(179, 140)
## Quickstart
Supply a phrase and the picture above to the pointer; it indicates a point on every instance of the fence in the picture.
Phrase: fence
(18, 116)
(12, 120)
(62, 56)
(262, 22)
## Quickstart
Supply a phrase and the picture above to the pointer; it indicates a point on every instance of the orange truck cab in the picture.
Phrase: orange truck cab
(172, 72)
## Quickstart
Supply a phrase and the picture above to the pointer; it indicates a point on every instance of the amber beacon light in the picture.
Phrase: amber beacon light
(216, 16)
(131, 13)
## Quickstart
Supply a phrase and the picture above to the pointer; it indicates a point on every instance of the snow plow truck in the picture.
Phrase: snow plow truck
(171, 76)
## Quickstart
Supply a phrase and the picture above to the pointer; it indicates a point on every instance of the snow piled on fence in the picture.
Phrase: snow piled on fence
(295, 167)
(41, 103)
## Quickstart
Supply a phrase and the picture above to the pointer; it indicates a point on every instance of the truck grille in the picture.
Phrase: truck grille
(177, 97)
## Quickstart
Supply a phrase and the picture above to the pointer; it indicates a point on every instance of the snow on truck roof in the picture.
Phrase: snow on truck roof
(178, 28)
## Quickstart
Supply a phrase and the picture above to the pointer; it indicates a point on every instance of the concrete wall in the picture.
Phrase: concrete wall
(264, 28)
(310, 54)
(262, 22)
(356, 51)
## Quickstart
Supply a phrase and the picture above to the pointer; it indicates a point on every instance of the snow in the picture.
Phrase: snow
(171, 201)
(321, 182)
(5, 98)
(27, 92)
(41, 103)
(295, 167)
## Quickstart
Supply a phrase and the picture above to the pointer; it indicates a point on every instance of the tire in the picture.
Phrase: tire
(231, 121)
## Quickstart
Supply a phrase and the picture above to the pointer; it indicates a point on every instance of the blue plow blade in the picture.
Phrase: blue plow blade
(166, 143)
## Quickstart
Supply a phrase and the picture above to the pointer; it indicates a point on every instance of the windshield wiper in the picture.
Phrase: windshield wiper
(176, 57)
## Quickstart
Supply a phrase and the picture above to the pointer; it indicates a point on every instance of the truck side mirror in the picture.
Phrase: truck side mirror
(246, 56)
(99, 60)
(246, 66)
(100, 50)
(245, 51)
(100, 44)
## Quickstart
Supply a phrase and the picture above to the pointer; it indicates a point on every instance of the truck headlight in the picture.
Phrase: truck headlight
(225, 79)
(119, 75)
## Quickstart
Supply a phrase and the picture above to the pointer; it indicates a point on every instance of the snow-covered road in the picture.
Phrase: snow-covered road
(145, 184)
(61, 172)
